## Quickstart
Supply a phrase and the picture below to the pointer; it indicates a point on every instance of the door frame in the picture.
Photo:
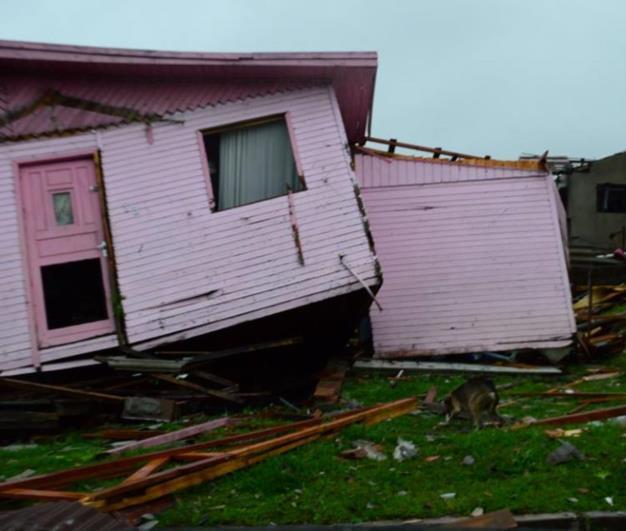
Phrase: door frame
(111, 273)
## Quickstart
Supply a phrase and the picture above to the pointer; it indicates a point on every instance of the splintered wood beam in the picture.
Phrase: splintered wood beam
(173, 436)
(122, 434)
(146, 470)
(576, 394)
(196, 387)
(587, 416)
(39, 387)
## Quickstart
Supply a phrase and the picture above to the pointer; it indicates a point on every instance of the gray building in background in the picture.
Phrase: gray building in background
(596, 204)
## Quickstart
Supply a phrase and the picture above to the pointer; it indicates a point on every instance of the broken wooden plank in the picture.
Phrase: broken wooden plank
(597, 414)
(196, 387)
(328, 388)
(575, 394)
(39, 387)
(173, 436)
(122, 434)
(200, 358)
(436, 366)
(125, 363)
(147, 469)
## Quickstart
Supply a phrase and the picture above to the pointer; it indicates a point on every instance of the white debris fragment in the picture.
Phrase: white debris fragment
(468, 460)
(371, 449)
(609, 500)
(404, 450)
(479, 511)
(448, 496)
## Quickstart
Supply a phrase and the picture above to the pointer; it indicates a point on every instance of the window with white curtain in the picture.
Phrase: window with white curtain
(251, 162)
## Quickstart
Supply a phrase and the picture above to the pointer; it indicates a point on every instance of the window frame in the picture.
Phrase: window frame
(285, 117)
(602, 189)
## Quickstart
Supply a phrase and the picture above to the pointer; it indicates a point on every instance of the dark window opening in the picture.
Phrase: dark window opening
(611, 198)
(74, 293)
(251, 163)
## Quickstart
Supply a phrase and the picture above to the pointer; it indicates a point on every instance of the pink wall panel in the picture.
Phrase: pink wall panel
(181, 266)
(184, 270)
(472, 259)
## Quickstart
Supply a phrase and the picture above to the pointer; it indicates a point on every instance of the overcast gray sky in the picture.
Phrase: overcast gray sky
(495, 77)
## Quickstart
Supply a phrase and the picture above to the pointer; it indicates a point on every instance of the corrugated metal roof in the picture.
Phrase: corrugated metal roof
(142, 96)
(160, 82)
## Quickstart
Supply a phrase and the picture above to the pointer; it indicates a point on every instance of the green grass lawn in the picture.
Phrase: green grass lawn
(314, 484)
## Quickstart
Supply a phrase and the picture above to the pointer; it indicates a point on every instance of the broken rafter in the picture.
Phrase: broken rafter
(437, 152)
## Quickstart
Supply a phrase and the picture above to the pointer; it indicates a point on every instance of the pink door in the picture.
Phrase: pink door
(69, 282)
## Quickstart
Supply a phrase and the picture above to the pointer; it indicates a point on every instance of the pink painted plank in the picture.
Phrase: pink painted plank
(472, 258)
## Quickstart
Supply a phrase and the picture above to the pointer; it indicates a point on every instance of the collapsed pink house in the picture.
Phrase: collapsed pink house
(473, 254)
(148, 198)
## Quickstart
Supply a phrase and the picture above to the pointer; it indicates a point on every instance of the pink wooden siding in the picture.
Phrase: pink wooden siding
(472, 258)
(181, 266)
(182, 269)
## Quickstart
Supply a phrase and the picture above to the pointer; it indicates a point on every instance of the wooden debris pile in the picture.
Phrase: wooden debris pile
(154, 475)
(161, 386)
(601, 318)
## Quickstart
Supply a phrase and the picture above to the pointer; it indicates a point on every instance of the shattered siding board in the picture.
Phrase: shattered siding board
(469, 265)
(181, 266)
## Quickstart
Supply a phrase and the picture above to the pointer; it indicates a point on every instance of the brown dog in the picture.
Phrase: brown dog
(477, 397)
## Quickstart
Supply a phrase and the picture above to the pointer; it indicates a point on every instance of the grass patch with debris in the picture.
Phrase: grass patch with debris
(313, 484)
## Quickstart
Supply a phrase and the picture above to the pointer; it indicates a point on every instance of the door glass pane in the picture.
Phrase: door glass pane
(62, 203)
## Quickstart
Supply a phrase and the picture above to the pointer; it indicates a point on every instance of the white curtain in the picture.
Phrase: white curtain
(255, 163)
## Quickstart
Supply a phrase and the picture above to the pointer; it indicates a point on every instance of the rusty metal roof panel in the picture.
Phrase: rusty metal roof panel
(164, 82)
